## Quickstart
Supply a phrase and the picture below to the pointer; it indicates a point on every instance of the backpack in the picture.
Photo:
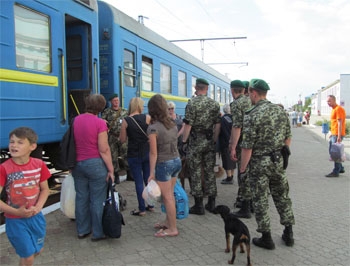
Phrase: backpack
(67, 157)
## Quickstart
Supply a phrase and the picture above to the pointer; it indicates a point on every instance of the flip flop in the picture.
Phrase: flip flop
(137, 213)
(150, 209)
(160, 226)
(163, 233)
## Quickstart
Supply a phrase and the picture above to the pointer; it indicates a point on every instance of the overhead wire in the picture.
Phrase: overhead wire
(173, 29)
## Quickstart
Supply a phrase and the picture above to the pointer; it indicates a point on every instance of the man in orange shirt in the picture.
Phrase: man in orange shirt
(337, 131)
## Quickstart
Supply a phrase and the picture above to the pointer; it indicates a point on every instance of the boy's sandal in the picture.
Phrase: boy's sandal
(137, 213)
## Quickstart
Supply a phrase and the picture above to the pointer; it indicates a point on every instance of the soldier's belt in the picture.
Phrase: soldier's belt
(274, 155)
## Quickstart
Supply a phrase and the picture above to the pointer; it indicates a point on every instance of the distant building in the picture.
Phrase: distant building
(340, 89)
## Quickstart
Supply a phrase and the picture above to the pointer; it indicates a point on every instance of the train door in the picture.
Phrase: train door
(79, 68)
(130, 87)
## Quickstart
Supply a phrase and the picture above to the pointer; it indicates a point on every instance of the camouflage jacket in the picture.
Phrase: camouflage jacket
(265, 128)
(238, 108)
(114, 119)
(202, 113)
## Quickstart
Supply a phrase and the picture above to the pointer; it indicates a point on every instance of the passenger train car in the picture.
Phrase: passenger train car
(54, 53)
(135, 61)
(48, 62)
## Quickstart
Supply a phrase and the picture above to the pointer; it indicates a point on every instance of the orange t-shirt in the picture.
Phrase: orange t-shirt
(338, 112)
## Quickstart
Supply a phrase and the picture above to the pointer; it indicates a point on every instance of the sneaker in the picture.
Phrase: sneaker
(227, 182)
(342, 171)
(332, 175)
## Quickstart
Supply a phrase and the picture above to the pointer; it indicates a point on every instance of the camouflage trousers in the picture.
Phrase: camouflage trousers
(118, 150)
(268, 177)
(201, 156)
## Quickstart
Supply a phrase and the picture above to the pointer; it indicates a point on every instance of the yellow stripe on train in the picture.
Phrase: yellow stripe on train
(168, 97)
(29, 78)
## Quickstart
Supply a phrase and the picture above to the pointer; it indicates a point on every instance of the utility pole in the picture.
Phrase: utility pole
(141, 18)
(207, 39)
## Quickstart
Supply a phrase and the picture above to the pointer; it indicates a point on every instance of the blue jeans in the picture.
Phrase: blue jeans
(140, 171)
(337, 166)
(91, 191)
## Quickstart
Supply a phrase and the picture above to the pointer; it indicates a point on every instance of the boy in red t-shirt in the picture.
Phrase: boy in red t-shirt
(25, 181)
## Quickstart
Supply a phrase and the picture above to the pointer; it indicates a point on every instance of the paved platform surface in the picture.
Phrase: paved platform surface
(322, 230)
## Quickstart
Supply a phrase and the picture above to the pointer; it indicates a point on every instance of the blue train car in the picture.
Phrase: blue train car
(48, 63)
(135, 61)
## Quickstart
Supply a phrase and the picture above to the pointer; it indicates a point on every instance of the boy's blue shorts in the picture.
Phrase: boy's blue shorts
(26, 235)
(166, 170)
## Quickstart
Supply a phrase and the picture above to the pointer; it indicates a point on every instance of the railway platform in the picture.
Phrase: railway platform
(322, 231)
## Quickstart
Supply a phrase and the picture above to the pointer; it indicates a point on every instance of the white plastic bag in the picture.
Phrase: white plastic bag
(337, 152)
(68, 197)
(151, 193)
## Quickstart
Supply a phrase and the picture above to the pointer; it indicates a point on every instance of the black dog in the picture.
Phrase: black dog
(239, 231)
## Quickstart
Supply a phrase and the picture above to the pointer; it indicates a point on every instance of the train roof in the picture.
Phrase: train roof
(142, 31)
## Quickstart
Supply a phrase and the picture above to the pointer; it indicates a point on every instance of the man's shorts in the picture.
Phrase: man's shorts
(227, 163)
(26, 235)
(166, 170)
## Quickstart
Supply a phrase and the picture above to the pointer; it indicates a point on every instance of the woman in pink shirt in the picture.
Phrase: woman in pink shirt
(93, 169)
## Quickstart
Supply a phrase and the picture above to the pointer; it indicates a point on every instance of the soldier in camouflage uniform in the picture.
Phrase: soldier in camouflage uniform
(201, 130)
(266, 129)
(239, 106)
(114, 116)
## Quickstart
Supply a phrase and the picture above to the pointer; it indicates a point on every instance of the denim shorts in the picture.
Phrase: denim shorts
(26, 235)
(168, 169)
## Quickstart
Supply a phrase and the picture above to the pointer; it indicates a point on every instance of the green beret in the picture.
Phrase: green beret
(237, 84)
(246, 84)
(259, 84)
(202, 81)
(113, 96)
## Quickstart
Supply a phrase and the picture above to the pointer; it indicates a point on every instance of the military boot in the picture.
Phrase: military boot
(288, 236)
(265, 241)
(197, 208)
(210, 206)
(251, 206)
(244, 212)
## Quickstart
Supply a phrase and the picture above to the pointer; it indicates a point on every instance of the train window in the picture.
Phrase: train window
(223, 95)
(193, 85)
(129, 68)
(218, 94)
(90, 3)
(33, 49)
(182, 81)
(165, 79)
(212, 91)
(147, 73)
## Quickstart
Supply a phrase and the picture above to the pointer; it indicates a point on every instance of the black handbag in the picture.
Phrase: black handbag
(112, 219)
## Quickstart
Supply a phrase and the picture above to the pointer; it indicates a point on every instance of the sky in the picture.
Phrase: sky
(296, 46)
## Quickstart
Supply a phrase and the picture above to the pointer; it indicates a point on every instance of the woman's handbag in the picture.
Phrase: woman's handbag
(112, 219)
(181, 202)
(67, 200)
